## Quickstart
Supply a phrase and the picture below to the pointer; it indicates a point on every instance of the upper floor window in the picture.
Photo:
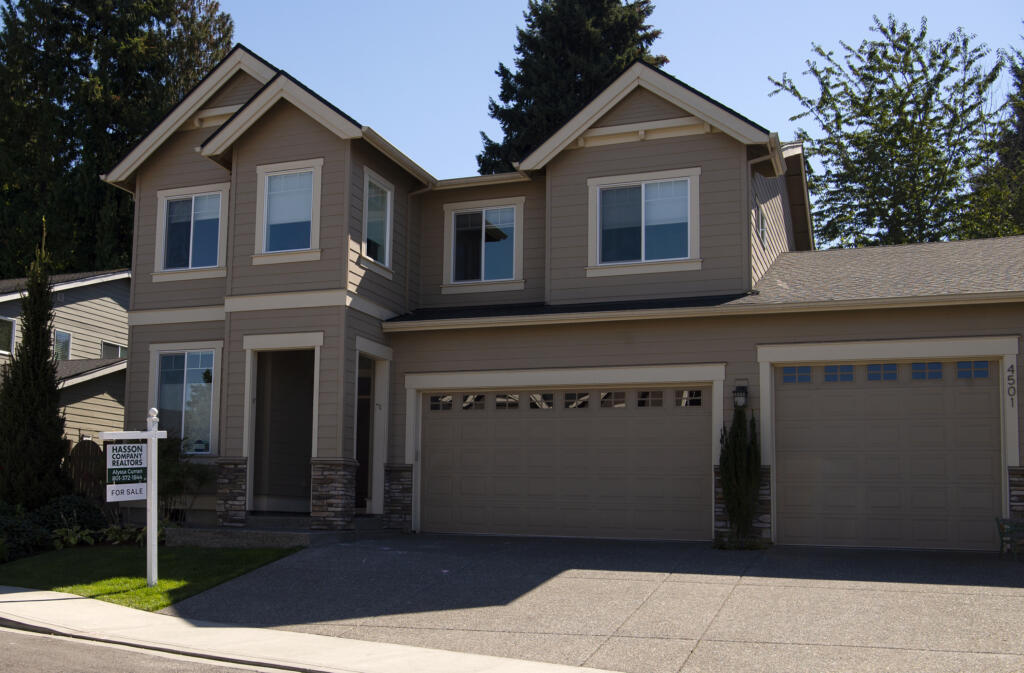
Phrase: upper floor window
(288, 211)
(484, 246)
(378, 198)
(6, 335)
(191, 230)
(61, 345)
(110, 350)
(644, 222)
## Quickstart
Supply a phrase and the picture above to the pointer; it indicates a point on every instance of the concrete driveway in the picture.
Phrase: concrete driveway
(645, 607)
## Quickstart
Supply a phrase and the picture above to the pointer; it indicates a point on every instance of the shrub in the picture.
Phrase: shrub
(72, 536)
(68, 511)
(740, 472)
(180, 479)
(21, 535)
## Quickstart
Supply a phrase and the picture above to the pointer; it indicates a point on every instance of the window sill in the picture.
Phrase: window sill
(286, 257)
(643, 267)
(188, 274)
(376, 267)
(483, 286)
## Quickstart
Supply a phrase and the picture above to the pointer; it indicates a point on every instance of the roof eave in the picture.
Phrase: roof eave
(71, 284)
(93, 374)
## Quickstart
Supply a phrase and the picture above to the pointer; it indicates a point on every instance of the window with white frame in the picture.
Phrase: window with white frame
(645, 219)
(61, 345)
(191, 228)
(483, 245)
(288, 207)
(185, 395)
(111, 350)
(378, 199)
(6, 335)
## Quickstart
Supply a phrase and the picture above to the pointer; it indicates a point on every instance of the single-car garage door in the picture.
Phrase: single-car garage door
(620, 463)
(888, 454)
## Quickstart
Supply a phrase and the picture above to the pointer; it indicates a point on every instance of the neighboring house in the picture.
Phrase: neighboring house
(90, 342)
(555, 351)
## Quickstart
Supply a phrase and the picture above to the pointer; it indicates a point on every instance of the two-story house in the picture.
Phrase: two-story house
(90, 343)
(555, 351)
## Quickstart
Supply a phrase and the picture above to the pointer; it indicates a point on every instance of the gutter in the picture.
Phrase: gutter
(700, 312)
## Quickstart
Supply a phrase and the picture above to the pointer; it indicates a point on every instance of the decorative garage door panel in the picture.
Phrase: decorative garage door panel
(597, 463)
(888, 455)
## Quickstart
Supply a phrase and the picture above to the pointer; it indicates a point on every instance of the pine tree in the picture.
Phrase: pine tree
(739, 468)
(82, 82)
(902, 123)
(567, 53)
(32, 446)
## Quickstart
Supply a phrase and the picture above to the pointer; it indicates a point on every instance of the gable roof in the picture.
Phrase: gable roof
(239, 58)
(12, 288)
(73, 372)
(655, 80)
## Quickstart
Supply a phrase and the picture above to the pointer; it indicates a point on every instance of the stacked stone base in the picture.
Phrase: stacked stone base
(762, 516)
(333, 496)
(398, 497)
(231, 485)
(1016, 477)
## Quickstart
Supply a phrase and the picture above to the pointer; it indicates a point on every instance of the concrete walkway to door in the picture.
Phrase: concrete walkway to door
(645, 607)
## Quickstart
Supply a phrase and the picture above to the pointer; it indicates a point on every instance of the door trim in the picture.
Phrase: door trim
(382, 357)
(1006, 348)
(417, 384)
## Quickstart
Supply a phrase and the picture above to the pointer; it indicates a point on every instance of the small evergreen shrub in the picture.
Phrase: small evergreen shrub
(740, 473)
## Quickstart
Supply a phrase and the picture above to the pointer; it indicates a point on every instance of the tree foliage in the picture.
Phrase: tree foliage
(32, 445)
(739, 468)
(567, 53)
(82, 82)
(902, 129)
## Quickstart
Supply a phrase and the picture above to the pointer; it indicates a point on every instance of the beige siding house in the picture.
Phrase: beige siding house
(554, 351)
(90, 341)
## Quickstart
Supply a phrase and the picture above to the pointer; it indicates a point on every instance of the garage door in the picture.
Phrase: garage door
(888, 454)
(615, 463)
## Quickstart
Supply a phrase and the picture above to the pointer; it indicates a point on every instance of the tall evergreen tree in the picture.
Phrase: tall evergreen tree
(32, 445)
(902, 125)
(568, 51)
(82, 81)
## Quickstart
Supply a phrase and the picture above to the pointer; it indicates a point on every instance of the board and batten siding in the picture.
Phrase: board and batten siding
(174, 165)
(431, 250)
(239, 89)
(772, 196)
(723, 236)
(286, 134)
(640, 106)
(93, 406)
(392, 294)
(732, 340)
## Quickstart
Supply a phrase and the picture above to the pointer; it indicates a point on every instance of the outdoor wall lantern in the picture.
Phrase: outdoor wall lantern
(739, 396)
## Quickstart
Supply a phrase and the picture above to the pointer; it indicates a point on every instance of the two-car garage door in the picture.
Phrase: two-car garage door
(888, 454)
(611, 462)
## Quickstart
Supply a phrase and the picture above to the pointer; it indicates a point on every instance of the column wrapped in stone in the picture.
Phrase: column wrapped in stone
(398, 496)
(1016, 475)
(333, 496)
(231, 486)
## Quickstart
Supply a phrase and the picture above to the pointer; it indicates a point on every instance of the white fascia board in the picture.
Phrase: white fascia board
(94, 374)
(240, 59)
(482, 180)
(282, 87)
(390, 151)
(576, 376)
(899, 349)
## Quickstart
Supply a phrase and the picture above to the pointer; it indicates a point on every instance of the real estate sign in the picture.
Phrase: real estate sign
(126, 471)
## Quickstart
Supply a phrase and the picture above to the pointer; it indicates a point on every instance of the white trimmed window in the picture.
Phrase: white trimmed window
(6, 335)
(483, 246)
(288, 211)
(111, 350)
(61, 345)
(191, 232)
(644, 223)
(378, 217)
(185, 394)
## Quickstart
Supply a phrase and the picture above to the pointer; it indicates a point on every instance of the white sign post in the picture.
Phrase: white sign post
(125, 463)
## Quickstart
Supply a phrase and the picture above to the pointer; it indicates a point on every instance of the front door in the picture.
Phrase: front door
(283, 431)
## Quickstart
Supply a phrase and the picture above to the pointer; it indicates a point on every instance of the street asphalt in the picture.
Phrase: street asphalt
(644, 607)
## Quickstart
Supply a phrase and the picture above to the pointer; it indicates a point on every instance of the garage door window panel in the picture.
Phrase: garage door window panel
(838, 373)
(576, 400)
(506, 401)
(801, 374)
(613, 400)
(542, 400)
(689, 398)
(887, 371)
(976, 369)
(441, 402)
(926, 371)
(649, 399)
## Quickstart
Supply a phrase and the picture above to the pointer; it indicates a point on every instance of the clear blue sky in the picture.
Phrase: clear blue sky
(420, 73)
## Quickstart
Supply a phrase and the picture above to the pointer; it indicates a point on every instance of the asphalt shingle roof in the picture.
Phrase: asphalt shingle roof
(9, 285)
(67, 369)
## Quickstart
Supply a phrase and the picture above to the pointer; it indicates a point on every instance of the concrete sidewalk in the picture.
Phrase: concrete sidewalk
(86, 618)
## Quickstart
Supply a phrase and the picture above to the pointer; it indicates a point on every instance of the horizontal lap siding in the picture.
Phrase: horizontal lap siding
(176, 164)
(92, 314)
(640, 106)
(722, 236)
(286, 134)
(431, 250)
(239, 89)
(93, 406)
(659, 342)
(774, 197)
(330, 321)
(391, 294)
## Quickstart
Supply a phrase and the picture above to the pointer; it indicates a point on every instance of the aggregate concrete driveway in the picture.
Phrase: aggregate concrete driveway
(645, 607)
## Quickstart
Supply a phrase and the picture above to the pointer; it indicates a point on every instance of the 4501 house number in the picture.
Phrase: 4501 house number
(1011, 384)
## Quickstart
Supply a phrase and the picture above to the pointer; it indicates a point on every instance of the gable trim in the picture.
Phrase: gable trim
(71, 284)
(90, 375)
(239, 58)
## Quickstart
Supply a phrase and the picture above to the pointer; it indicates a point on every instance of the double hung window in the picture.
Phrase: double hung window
(483, 245)
(61, 345)
(378, 197)
(288, 211)
(190, 230)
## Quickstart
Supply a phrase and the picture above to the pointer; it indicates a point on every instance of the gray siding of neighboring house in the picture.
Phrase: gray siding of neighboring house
(286, 134)
(723, 233)
(640, 106)
(93, 406)
(773, 197)
(239, 89)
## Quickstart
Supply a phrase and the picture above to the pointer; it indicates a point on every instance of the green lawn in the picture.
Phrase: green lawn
(118, 574)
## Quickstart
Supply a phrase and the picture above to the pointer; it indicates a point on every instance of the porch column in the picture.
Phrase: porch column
(333, 494)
